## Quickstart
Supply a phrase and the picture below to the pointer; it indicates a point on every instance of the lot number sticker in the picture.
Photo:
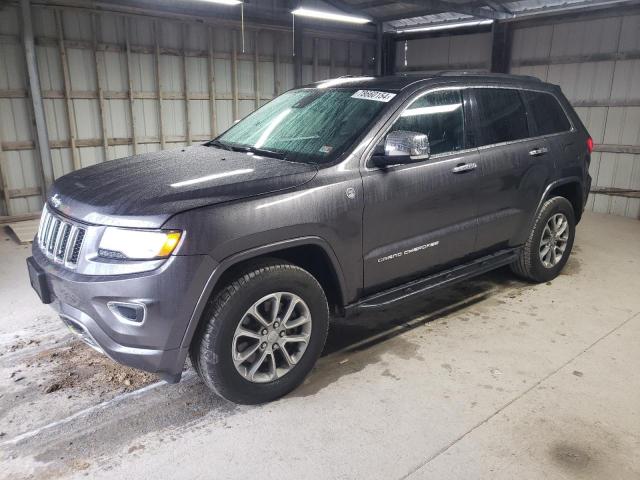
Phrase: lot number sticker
(373, 95)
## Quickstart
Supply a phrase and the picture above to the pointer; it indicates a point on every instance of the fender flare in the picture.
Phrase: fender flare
(236, 258)
(547, 191)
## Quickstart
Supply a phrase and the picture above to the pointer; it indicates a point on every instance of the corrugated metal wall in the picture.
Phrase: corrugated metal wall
(456, 52)
(597, 64)
(115, 84)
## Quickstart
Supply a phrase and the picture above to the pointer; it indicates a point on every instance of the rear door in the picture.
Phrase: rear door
(419, 217)
(514, 167)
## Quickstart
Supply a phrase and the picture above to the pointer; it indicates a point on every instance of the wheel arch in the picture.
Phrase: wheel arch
(314, 254)
(569, 188)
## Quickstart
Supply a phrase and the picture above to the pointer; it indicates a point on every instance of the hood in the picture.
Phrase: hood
(145, 190)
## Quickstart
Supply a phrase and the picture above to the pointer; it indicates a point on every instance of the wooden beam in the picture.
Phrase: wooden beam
(332, 61)
(156, 30)
(100, 85)
(256, 69)
(276, 66)
(315, 59)
(130, 78)
(234, 72)
(71, 120)
(185, 79)
(212, 86)
(19, 218)
(24, 192)
(37, 113)
(365, 60)
(4, 184)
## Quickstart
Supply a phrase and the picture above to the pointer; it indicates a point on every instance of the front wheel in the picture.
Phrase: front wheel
(549, 245)
(262, 333)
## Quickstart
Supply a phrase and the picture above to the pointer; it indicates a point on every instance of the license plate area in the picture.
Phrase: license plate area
(38, 280)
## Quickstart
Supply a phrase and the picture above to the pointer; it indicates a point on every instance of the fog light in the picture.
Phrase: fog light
(128, 312)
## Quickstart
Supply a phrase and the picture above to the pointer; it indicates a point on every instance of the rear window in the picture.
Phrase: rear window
(502, 117)
(547, 113)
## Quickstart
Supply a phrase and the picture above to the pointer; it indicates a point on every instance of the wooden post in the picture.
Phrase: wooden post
(348, 57)
(234, 73)
(185, 79)
(332, 60)
(156, 29)
(3, 183)
(100, 86)
(379, 32)
(256, 69)
(45, 169)
(365, 62)
(276, 66)
(129, 76)
(315, 59)
(71, 121)
(212, 86)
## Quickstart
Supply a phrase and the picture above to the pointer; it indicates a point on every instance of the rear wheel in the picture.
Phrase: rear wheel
(262, 333)
(549, 245)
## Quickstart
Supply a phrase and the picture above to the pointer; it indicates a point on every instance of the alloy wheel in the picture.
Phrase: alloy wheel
(271, 337)
(554, 240)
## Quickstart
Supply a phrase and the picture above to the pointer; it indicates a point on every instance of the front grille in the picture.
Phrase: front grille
(60, 239)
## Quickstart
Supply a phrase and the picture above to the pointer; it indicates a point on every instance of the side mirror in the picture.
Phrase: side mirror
(402, 146)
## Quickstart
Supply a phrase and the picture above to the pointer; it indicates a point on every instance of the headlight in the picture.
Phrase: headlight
(137, 244)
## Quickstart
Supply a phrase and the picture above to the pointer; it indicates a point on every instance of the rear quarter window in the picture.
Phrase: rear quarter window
(548, 115)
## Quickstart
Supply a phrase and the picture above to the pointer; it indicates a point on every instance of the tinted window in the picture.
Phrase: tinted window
(439, 115)
(502, 116)
(547, 113)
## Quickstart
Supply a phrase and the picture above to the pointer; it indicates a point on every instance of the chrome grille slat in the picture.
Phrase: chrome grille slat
(60, 239)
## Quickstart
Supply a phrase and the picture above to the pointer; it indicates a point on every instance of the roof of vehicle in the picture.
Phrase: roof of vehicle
(401, 82)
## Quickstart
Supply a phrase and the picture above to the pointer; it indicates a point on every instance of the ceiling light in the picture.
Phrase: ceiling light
(445, 26)
(338, 17)
(225, 2)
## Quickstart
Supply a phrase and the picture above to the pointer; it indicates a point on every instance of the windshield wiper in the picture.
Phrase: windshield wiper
(219, 144)
(259, 151)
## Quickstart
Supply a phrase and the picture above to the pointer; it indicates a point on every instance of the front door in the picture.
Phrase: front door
(420, 217)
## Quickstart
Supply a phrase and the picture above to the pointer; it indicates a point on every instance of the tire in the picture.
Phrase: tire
(217, 340)
(529, 264)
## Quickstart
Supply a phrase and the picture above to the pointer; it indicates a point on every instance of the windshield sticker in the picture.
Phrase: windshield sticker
(326, 149)
(373, 95)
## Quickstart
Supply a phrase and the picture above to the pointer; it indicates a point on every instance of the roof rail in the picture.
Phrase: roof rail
(454, 73)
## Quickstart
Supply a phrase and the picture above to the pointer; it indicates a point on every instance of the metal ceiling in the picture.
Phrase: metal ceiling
(414, 13)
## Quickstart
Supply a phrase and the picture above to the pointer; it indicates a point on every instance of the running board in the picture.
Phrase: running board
(435, 281)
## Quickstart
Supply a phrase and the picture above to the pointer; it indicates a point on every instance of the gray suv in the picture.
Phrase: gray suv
(341, 196)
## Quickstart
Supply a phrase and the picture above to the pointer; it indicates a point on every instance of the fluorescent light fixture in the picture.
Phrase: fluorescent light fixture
(338, 17)
(225, 2)
(342, 80)
(215, 176)
(445, 26)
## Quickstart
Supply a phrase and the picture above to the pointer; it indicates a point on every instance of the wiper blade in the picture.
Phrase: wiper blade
(260, 151)
(219, 144)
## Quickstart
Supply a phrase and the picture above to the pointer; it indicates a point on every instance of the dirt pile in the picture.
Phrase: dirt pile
(76, 366)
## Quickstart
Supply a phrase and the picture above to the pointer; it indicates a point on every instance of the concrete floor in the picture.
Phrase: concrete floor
(491, 379)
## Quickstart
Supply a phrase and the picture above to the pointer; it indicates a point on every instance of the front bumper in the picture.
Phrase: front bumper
(169, 295)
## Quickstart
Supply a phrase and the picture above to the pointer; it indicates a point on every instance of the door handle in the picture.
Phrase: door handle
(536, 152)
(464, 167)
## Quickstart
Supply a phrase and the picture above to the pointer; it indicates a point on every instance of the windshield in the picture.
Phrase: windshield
(308, 125)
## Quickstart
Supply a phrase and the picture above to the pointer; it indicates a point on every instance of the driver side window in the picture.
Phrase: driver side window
(440, 116)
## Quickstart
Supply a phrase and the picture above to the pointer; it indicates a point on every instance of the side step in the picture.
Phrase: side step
(436, 281)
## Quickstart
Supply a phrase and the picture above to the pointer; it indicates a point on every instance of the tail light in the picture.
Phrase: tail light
(590, 144)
